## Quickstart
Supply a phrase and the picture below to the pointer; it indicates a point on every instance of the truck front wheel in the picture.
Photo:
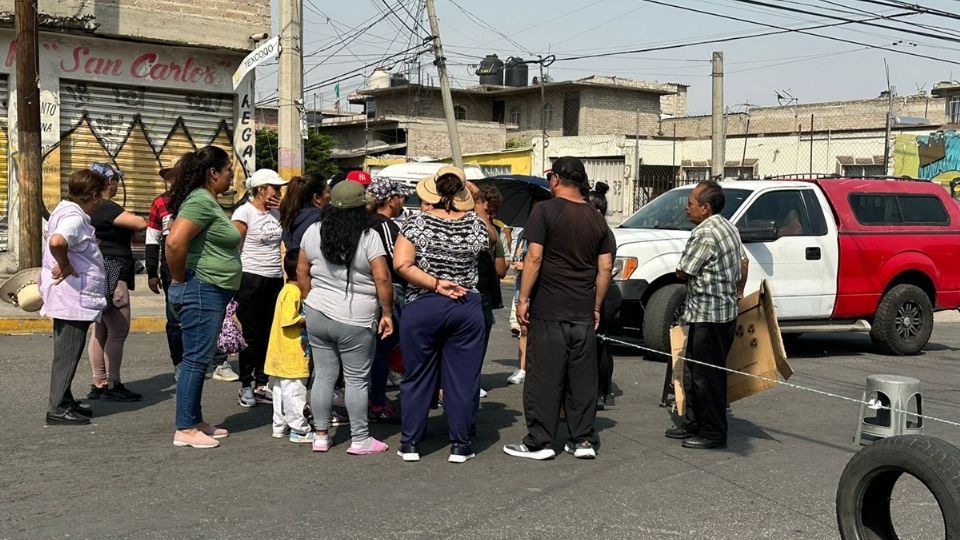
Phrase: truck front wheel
(904, 320)
(662, 311)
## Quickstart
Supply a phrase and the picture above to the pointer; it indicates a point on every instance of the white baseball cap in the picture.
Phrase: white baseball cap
(263, 177)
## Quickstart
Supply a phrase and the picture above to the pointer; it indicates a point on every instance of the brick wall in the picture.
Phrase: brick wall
(430, 139)
(852, 115)
(607, 111)
(210, 23)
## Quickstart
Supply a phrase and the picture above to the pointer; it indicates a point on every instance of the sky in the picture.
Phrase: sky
(809, 68)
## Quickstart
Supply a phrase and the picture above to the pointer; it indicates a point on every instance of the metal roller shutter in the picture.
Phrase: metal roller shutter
(609, 171)
(139, 130)
(4, 164)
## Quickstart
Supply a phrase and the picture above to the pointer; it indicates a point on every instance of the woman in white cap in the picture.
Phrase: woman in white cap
(258, 221)
(73, 285)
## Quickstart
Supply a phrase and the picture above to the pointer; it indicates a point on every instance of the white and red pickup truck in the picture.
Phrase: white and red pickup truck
(867, 254)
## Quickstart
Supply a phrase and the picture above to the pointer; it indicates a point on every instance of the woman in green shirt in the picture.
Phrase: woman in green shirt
(204, 266)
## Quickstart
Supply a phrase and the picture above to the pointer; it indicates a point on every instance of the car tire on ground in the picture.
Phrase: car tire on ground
(660, 313)
(904, 320)
(863, 495)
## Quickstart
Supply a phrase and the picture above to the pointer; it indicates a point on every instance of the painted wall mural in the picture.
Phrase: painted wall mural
(934, 157)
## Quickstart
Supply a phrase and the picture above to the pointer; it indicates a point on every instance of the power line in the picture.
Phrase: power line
(805, 31)
(484, 24)
(845, 19)
(917, 8)
(656, 48)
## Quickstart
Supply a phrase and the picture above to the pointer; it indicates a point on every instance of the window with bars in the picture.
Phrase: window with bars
(740, 173)
(459, 112)
(515, 115)
(696, 174)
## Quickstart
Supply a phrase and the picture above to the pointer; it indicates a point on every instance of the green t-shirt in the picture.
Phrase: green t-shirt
(213, 253)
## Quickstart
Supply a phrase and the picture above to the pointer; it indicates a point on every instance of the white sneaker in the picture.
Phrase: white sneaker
(245, 397)
(224, 372)
(263, 394)
(517, 377)
(483, 393)
(581, 450)
(281, 433)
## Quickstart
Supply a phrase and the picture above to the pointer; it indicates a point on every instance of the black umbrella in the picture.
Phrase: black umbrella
(519, 192)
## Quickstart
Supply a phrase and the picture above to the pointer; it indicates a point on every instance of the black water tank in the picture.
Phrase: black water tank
(397, 79)
(515, 72)
(491, 71)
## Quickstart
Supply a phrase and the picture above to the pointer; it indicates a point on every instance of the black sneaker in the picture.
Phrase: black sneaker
(581, 450)
(96, 391)
(609, 400)
(460, 453)
(118, 392)
(409, 452)
(521, 450)
(601, 403)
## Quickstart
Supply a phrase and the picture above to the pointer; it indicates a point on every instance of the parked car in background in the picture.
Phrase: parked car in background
(840, 254)
(409, 174)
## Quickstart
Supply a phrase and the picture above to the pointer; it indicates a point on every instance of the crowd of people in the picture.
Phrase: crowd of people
(329, 285)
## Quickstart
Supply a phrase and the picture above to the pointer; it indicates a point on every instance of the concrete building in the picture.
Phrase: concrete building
(135, 83)
(847, 138)
(408, 120)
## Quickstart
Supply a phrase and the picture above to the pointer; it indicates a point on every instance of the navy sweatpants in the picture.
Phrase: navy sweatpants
(442, 344)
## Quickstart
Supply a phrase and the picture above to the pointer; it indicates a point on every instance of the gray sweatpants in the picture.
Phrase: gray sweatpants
(69, 340)
(334, 343)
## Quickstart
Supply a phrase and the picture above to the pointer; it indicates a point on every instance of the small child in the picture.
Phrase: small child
(286, 363)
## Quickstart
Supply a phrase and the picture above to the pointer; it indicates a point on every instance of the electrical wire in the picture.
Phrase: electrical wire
(783, 29)
(484, 24)
(682, 45)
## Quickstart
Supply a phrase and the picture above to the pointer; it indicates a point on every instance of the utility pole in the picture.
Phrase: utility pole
(30, 236)
(441, 63)
(886, 139)
(289, 137)
(717, 155)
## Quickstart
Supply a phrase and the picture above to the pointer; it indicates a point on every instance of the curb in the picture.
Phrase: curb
(43, 325)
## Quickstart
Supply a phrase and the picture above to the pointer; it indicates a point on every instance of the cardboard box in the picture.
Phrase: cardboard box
(757, 349)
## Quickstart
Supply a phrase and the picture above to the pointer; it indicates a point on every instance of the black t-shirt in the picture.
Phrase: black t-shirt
(114, 240)
(573, 235)
(388, 231)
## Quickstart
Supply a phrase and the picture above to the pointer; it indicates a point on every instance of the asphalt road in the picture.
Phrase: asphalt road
(122, 477)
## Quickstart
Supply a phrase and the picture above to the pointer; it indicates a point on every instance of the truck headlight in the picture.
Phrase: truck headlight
(623, 267)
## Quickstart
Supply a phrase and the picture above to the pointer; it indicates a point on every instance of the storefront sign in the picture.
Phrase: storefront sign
(269, 49)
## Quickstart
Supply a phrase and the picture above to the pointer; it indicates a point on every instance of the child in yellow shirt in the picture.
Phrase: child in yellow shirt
(287, 364)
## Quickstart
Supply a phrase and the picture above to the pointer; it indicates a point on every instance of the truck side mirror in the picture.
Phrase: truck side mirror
(758, 231)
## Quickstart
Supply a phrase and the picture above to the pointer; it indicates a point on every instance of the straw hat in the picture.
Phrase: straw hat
(23, 291)
(427, 189)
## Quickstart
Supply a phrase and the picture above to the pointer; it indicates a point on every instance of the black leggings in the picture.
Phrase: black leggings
(256, 301)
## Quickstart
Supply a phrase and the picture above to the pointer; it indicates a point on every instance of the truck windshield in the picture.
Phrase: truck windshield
(669, 211)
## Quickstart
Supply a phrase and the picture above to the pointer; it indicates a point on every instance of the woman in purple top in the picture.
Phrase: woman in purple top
(72, 283)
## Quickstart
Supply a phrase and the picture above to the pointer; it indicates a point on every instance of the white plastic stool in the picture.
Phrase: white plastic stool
(895, 392)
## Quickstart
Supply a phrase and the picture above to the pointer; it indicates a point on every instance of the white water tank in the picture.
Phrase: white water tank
(379, 79)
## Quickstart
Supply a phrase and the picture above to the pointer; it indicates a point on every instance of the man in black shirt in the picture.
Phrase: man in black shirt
(565, 277)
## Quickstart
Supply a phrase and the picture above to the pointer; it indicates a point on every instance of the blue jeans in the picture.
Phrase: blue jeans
(200, 307)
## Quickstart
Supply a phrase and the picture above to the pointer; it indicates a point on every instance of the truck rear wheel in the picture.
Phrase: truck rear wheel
(904, 320)
(662, 311)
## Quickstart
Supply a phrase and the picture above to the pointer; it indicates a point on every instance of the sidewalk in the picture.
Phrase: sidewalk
(148, 314)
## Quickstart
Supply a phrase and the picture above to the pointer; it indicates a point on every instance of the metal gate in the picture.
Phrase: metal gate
(652, 180)
(140, 130)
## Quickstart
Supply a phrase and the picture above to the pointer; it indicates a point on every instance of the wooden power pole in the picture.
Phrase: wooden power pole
(290, 80)
(441, 63)
(30, 235)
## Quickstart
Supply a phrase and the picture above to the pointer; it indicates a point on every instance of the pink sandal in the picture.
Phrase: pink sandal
(370, 446)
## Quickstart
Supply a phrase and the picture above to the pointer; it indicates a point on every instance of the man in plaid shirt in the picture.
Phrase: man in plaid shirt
(158, 225)
(714, 265)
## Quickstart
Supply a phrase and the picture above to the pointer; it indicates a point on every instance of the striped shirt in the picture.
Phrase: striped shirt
(711, 259)
(388, 231)
(446, 249)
